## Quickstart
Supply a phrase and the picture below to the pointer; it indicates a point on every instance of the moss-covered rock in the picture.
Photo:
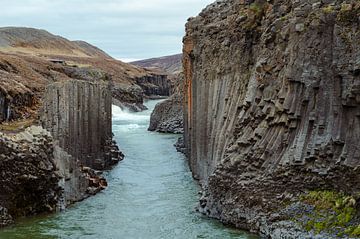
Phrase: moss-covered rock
(334, 212)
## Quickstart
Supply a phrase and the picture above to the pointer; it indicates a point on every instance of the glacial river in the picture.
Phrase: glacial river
(151, 194)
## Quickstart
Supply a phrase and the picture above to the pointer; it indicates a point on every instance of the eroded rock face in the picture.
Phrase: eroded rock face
(154, 85)
(29, 182)
(16, 100)
(272, 99)
(167, 116)
(40, 177)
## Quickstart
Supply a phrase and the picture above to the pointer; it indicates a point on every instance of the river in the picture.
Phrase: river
(151, 194)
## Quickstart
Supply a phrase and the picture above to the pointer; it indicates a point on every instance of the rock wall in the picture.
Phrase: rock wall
(3, 107)
(155, 85)
(131, 98)
(29, 182)
(167, 116)
(16, 100)
(78, 115)
(272, 106)
(40, 177)
(151, 85)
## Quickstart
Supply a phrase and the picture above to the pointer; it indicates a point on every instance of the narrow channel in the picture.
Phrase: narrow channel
(151, 194)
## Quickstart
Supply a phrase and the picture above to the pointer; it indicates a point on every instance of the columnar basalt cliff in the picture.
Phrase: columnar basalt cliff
(167, 116)
(155, 85)
(55, 167)
(78, 115)
(272, 109)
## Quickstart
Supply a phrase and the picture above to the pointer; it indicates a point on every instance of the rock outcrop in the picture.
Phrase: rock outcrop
(29, 182)
(40, 177)
(272, 106)
(78, 115)
(167, 116)
(155, 85)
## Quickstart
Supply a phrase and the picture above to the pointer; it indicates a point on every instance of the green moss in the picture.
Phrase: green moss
(328, 9)
(353, 231)
(255, 13)
(333, 210)
(15, 126)
(257, 8)
(284, 18)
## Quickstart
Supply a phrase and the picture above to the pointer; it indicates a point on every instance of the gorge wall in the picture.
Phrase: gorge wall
(47, 168)
(272, 107)
(155, 85)
(78, 115)
(29, 182)
(167, 116)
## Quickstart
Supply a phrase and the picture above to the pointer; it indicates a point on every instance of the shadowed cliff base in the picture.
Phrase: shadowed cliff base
(272, 113)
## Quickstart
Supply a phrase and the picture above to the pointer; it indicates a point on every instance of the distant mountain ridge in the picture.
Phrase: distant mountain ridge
(171, 64)
(40, 42)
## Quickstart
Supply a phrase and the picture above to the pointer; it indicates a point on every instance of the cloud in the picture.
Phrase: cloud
(134, 29)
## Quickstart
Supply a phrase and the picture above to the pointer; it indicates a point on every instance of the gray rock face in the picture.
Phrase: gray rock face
(3, 107)
(38, 176)
(154, 85)
(29, 182)
(167, 116)
(272, 106)
(78, 115)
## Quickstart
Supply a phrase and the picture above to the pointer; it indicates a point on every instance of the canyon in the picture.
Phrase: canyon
(264, 102)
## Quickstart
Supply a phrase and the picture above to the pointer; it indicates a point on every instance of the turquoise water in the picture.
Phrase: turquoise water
(151, 194)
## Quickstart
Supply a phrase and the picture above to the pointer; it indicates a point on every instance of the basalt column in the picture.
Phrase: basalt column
(78, 114)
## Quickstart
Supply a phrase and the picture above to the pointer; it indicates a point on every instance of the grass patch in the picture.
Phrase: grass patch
(328, 9)
(15, 126)
(333, 212)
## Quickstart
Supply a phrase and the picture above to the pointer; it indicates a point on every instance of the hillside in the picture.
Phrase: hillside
(40, 42)
(171, 64)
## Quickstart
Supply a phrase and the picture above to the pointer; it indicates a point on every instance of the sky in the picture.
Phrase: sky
(125, 29)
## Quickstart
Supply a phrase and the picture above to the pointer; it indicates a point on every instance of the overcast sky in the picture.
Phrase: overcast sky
(126, 29)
